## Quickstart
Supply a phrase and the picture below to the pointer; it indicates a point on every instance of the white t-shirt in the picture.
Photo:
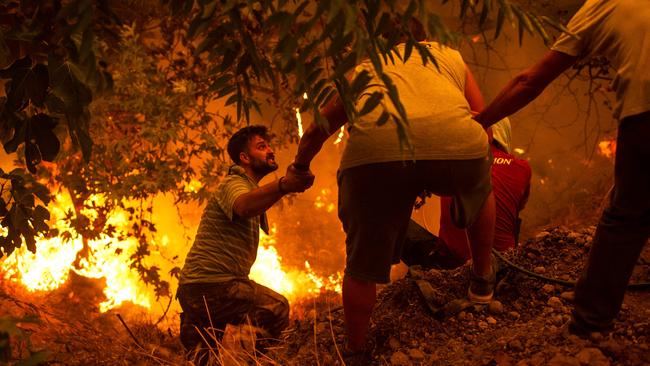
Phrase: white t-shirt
(440, 123)
(620, 31)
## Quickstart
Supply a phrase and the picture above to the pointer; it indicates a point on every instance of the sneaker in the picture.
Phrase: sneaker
(481, 288)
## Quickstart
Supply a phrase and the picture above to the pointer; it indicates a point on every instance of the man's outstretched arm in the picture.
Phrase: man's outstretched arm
(525, 87)
(260, 199)
(315, 136)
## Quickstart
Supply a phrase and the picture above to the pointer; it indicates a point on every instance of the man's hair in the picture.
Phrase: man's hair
(238, 142)
(414, 26)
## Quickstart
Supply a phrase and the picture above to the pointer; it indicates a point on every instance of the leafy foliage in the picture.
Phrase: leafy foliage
(49, 71)
(22, 216)
(309, 48)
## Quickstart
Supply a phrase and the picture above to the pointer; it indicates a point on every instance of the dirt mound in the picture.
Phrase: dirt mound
(523, 326)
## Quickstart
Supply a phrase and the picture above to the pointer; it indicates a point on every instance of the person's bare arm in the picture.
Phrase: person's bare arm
(525, 87)
(473, 92)
(260, 199)
(257, 201)
(314, 137)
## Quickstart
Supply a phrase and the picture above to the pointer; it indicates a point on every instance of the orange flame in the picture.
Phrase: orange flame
(109, 258)
(267, 270)
(607, 148)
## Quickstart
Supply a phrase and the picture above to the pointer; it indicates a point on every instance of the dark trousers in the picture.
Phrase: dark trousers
(209, 307)
(622, 231)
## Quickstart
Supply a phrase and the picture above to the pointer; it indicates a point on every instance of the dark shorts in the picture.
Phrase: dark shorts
(376, 202)
(209, 307)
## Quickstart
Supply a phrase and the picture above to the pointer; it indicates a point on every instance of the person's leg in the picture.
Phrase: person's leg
(481, 236)
(473, 207)
(375, 204)
(358, 300)
(201, 325)
(270, 310)
(622, 232)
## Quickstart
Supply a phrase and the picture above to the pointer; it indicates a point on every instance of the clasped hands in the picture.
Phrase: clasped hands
(297, 179)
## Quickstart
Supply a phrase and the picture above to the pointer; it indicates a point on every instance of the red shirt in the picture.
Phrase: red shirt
(511, 186)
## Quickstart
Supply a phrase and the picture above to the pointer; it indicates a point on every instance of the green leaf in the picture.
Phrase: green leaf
(348, 63)
(500, 19)
(558, 26)
(540, 29)
(485, 11)
(383, 118)
(371, 103)
(41, 126)
(18, 138)
(408, 48)
(360, 82)
(463, 8)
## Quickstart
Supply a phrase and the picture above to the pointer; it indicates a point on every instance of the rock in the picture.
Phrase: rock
(596, 336)
(568, 295)
(482, 325)
(515, 345)
(573, 235)
(514, 315)
(400, 359)
(495, 307)
(558, 320)
(562, 360)
(490, 320)
(321, 327)
(539, 270)
(502, 359)
(554, 302)
(538, 359)
(542, 235)
(548, 288)
(612, 347)
(416, 355)
(592, 357)
(394, 343)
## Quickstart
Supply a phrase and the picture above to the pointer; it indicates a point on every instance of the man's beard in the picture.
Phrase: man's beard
(264, 167)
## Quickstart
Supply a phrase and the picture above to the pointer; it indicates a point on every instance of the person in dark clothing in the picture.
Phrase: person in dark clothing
(620, 31)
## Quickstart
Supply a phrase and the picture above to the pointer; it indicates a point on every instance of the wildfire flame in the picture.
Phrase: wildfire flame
(109, 257)
(607, 148)
(267, 270)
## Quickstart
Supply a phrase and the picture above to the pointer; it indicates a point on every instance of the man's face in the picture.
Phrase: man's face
(262, 158)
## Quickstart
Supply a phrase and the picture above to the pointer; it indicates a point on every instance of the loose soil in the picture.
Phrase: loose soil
(525, 325)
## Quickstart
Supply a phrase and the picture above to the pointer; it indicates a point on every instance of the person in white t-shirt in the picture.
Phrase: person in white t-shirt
(379, 179)
(620, 31)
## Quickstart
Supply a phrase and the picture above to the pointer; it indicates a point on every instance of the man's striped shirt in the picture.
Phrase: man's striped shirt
(225, 246)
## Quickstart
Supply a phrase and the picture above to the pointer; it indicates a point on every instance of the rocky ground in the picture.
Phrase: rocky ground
(419, 320)
(523, 326)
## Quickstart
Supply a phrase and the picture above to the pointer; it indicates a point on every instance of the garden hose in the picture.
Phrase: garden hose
(631, 286)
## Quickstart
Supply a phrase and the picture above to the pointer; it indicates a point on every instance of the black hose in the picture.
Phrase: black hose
(631, 286)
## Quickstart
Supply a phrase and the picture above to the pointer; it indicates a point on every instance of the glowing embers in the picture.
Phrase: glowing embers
(324, 201)
(607, 148)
